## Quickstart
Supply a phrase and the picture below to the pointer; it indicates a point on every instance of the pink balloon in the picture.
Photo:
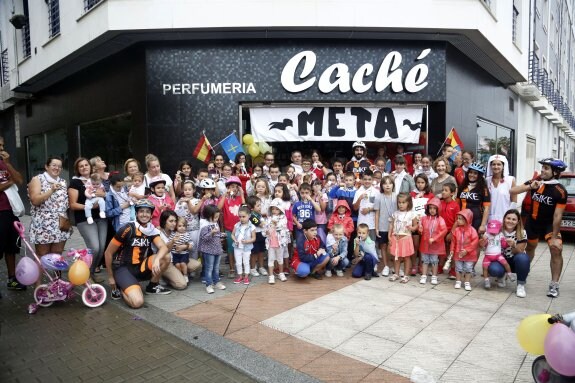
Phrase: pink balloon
(27, 271)
(560, 349)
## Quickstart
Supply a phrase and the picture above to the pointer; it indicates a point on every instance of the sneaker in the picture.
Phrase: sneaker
(102, 214)
(339, 273)
(254, 273)
(187, 279)
(157, 289)
(263, 271)
(239, 279)
(367, 276)
(553, 290)
(246, 281)
(520, 292)
(116, 294)
(434, 279)
(220, 286)
(328, 273)
(512, 277)
(423, 279)
(210, 289)
(487, 283)
(317, 275)
(13, 284)
(271, 280)
(413, 272)
(467, 286)
(90, 220)
(457, 284)
(282, 277)
(501, 282)
(385, 271)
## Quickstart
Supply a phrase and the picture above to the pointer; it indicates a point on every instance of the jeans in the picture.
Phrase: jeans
(305, 269)
(341, 265)
(212, 268)
(519, 264)
(365, 266)
(95, 238)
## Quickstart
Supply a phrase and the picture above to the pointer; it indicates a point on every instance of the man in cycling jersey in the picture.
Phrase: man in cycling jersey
(359, 162)
(549, 198)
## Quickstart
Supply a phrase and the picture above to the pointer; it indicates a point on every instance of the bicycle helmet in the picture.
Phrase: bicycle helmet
(554, 163)
(234, 180)
(207, 183)
(478, 167)
(144, 203)
(359, 144)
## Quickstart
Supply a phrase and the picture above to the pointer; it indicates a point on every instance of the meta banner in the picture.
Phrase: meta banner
(386, 124)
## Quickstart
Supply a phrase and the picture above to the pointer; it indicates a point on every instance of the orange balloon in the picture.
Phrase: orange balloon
(79, 273)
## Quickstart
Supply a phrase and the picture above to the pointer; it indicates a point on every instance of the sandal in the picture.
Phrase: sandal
(393, 278)
(404, 279)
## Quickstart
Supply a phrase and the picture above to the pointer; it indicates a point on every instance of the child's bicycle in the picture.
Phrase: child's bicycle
(57, 289)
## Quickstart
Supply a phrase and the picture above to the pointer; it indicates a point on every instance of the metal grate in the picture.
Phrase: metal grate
(26, 48)
(89, 4)
(53, 17)
(5, 79)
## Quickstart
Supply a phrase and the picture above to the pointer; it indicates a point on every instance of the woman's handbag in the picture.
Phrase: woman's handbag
(64, 222)
(15, 200)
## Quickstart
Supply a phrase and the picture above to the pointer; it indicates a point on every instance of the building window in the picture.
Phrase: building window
(515, 24)
(41, 146)
(53, 17)
(5, 79)
(26, 49)
(89, 4)
(494, 139)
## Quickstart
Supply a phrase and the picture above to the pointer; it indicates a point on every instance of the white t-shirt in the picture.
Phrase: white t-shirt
(500, 197)
(366, 202)
(402, 219)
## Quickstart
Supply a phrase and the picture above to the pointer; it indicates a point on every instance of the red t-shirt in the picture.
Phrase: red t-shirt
(448, 211)
(230, 211)
(4, 177)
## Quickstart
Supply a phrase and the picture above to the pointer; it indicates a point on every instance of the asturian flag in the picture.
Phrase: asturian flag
(232, 146)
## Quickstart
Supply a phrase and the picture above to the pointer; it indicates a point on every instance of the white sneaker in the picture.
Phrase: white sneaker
(520, 292)
(457, 284)
(434, 279)
(339, 273)
(187, 279)
(282, 277)
(423, 279)
(467, 286)
(328, 273)
(90, 220)
(220, 286)
(501, 282)
(254, 273)
(385, 271)
(487, 283)
(511, 277)
(210, 289)
(271, 280)
(263, 271)
(102, 214)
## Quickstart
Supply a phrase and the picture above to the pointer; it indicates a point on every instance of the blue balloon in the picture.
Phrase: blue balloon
(496, 270)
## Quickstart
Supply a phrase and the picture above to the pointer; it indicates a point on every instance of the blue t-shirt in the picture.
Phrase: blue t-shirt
(303, 210)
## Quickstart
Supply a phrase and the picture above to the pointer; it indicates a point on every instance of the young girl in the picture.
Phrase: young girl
(277, 239)
(281, 192)
(292, 176)
(183, 174)
(420, 199)
(243, 238)
(208, 187)
(292, 188)
(137, 189)
(160, 198)
(514, 253)
(210, 245)
(188, 207)
(182, 245)
(433, 230)
(320, 217)
(257, 172)
(385, 206)
(403, 222)
(463, 248)
(263, 195)
(494, 241)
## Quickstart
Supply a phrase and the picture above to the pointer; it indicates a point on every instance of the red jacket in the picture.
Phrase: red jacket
(448, 211)
(161, 205)
(433, 227)
(347, 221)
(465, 238)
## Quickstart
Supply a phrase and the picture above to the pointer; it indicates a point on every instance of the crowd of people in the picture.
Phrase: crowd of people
(391, 217)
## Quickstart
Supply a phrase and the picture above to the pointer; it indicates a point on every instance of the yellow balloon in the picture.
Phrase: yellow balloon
(248, 139)
(79, 273)
(254, 150)
(531, 333)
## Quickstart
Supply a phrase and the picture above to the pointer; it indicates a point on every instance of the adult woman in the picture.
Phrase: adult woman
(131, 167)
(94, 235)
(425, 168)
(514, 253)
(99, 166)
(442, 169)
(500, 183)
(219, 163)
(467, 158)
(417, 156)
(172, 275)
(154, 171)
(317, 165)
(49, 198)
(184, 173)
(474, 195)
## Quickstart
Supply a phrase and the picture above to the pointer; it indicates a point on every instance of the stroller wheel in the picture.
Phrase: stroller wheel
(94, 296)
(41, 296)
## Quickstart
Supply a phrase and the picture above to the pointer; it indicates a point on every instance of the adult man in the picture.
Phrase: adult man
(359, 163)
(8, 235)
(129, 256)
(549, 198)
(296, 162)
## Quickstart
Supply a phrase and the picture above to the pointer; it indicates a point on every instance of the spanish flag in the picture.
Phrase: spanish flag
(453, 140)
(203, 150)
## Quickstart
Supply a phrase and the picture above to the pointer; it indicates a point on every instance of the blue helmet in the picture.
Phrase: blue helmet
(478, 167)
(554, 163)
(144, 203)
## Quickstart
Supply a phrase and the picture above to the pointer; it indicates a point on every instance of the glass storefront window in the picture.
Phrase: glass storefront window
(44, 145)
(494, 139)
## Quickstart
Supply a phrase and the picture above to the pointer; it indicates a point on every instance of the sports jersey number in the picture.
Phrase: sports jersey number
(305, 214)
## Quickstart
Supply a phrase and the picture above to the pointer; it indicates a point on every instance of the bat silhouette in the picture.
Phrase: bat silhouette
(281, 125)
(412, 126)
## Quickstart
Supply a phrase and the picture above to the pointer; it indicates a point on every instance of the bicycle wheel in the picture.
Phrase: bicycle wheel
(94, 296)
(543, 373)
(41, 296)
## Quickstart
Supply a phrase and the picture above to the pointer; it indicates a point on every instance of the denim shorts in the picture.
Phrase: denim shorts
(464, 266)
(430, 259)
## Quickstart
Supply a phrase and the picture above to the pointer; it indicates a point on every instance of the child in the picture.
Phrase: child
(182, 245)
(273, 176)
(277, 239)
(243, 236)
(346, 191)
(403, 181)
(137, 190)
(257, 172)
(263, 195)
(229, 204)
(183, 174)
(302, 210)
(188, 208)
(160, 198)
(337, 250)
(365, 256)
(211, 247)
(403, 222)
(118, 203)
(310, 256)
(337, 166)
(420, 198)
(202, 175)
(342, 216)
(330, 182)
(448, 210)
(433, 230)
(94, 184)
(463, 248)
(292, 189)
(255, 205)
(364, 201)
(493, 241)
(208, 187)
(319, 197)
(385, 206)
(307, 171)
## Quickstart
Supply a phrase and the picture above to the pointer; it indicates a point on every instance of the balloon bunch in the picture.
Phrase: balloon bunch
(254, 149)
(550, 335)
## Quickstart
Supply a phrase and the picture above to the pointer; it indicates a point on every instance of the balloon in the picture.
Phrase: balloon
(560, 349)
(254, 150)
(532, 331)
(264, 147)
(27, 271)
(79, 273)
(246, 148)
(248, 139)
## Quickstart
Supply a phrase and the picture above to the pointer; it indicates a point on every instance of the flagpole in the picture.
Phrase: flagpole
(233, 132)
(209, 146)
(442, 145)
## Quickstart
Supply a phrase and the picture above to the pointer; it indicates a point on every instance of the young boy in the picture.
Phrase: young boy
(448, 210)
(364, 201)
(365, 256)
(310, 257)
(273, 175)
(202, 175)
(336, 243)
(346, 191)
(307, 170)
(404, 182)
(342, 216)
(304, 209)
(463, 248)
(229, 204)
